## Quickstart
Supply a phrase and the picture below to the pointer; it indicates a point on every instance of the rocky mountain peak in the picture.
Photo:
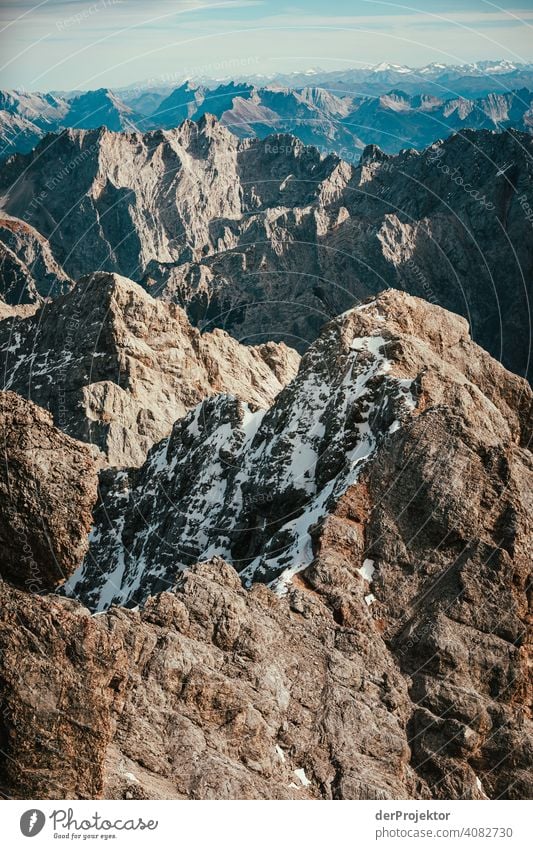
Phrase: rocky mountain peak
(385, 496)
(129, 365)
(100, 107)
(254, 486)
(372, 153)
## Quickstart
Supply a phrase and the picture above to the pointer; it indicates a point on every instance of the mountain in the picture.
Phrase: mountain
(25, 117)
(471, 80)
(48, 487)
(344, 124)
(385, 494)
(313, 115)
(29, 273)
(17, 134)
(189, 100)
(335, 118)
(99, 108)
(43, 110)
(267, 239)
(252, 487)
(116, 368)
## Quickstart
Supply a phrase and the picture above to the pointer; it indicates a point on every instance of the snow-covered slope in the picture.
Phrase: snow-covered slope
(386, 495)
(116, 367)
(253, 486)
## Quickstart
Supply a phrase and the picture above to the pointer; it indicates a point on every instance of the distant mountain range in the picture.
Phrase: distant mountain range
(389, 105)
(26, 117)
(267, 238)
(467, 80)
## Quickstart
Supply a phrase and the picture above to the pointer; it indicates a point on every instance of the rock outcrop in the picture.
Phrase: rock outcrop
(252, 486)
(25, 117)
(116, 368)
(386, 497)
(48, 485)
(268, 239)
(29, 274)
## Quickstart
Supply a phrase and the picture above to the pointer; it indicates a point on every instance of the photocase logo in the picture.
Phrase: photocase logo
(32, 822)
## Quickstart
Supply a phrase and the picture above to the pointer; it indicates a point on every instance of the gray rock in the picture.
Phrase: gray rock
(267, 239)
(116, 368)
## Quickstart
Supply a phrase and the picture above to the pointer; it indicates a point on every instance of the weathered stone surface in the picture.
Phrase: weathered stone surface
(209, 692)
(48, 485)
(268, 239)
(28, 271)
(393, 660)
(250, 486)
(116, 368)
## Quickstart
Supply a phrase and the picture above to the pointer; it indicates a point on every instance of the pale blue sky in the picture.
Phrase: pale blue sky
(68, 44)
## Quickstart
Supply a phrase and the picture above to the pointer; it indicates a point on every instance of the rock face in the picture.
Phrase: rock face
(343, 124)
(116, 368)
(47, 492)
(470, 80)
(267, 239)
(208, 692)
(254, 486)
(29, 273)
(386, 495)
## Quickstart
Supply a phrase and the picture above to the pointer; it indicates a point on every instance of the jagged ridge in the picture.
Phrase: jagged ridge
(116, 367)
(268, 239)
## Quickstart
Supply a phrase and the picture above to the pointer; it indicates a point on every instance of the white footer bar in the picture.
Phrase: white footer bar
(257, 824)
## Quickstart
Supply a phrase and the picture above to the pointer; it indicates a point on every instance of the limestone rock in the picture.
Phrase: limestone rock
(48, 488)
(386, 497)
(268, 239)
(116, 368)
(209, 692)
(251, 485)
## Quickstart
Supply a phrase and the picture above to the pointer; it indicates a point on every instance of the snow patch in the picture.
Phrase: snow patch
(242, 466)
(367, 570)
(302, 777)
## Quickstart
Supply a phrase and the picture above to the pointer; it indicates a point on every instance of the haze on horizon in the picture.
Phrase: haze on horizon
(79, 44)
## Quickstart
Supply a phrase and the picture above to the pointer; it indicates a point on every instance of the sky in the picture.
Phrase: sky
(84, 44)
